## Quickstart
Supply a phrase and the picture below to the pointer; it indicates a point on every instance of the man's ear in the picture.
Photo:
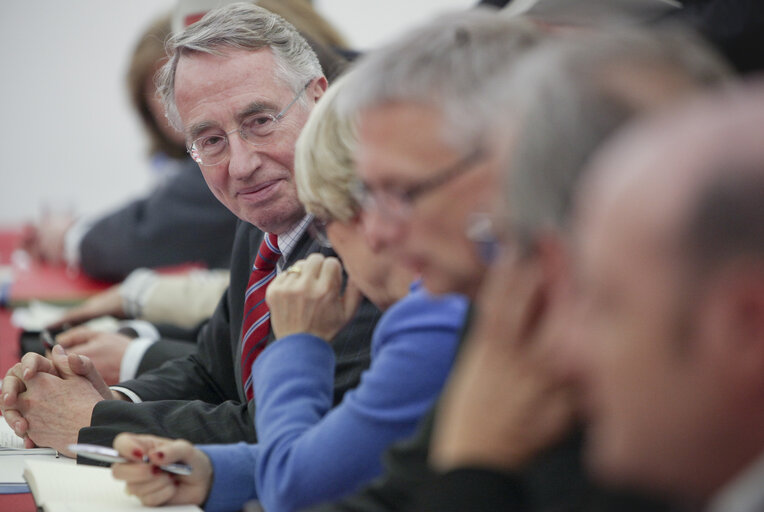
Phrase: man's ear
(317, 88)
(734, 318)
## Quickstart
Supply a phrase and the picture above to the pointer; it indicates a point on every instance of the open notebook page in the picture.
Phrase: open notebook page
(81, 488)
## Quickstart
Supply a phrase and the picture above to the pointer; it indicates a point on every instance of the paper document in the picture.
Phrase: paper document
(12, 457)
(83, 489)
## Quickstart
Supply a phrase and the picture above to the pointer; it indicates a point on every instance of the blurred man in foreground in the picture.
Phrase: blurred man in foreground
(671, 273)
(546, 125)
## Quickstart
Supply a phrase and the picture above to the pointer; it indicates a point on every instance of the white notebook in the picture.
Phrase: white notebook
(81, 488)
(12, 457)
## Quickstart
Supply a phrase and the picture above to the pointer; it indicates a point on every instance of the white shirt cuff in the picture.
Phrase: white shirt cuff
(135, 289)
(73, 239)
(133, 357)
(128, 393)
(142, 328)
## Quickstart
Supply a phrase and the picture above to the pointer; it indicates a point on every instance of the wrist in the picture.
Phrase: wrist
(116, 395)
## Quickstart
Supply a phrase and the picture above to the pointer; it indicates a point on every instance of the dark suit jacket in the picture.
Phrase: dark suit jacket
(554, 481)
(180, 221)
(200, 397)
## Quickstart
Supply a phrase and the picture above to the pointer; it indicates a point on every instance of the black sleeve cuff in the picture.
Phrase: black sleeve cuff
(471, 489)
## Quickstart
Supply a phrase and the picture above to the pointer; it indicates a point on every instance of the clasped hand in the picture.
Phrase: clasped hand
(311, 300)
(46, 401)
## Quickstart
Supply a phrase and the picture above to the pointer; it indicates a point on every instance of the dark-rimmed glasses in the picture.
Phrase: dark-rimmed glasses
(397, 203)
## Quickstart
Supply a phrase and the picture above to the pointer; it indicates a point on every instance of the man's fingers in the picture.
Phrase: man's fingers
(13, 385)
(76, 336)
(72, 317)
(558, 413)
(60, 361)
(81, 365)
(32, 364)
(510, 302)
(16, 421)
(84, 367)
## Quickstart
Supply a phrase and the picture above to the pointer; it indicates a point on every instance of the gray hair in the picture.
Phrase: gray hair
(566, 99)
(443, 64)
(240, 26)
(725, 218)
(324, 168)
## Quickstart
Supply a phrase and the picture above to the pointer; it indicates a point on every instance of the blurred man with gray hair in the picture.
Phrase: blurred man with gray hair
(538, 121)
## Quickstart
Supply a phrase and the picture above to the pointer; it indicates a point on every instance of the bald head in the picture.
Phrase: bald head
(670, 246)
(672, 168)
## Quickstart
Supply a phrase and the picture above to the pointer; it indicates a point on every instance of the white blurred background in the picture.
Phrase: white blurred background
(68, 138)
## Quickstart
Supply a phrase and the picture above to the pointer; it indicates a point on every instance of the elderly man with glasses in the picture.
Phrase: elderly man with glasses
(240, 84)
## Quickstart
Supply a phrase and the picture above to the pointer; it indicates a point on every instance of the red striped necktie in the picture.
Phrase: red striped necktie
(257, 319)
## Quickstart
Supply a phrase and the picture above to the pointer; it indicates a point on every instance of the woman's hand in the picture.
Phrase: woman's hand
(153, 486)
(307, 298)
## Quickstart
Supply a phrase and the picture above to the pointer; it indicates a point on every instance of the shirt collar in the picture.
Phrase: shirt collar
(745, 493)
(287, 241)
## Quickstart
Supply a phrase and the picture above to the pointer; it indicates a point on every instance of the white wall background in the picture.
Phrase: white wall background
(68, 137)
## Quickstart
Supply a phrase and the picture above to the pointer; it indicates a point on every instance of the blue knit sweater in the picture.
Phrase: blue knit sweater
(309, 453)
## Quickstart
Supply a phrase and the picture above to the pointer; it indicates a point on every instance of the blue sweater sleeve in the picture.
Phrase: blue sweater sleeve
(233, 481)
(309, 453)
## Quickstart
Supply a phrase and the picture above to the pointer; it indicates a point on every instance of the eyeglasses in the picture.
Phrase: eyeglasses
(491, 234)
(255, 129)
(397, 203)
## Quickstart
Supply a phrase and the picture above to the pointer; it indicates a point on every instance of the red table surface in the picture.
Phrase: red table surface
(43, 282)
(17, 503)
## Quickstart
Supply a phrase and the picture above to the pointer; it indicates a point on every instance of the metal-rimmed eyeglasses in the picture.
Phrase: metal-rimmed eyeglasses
(256, 129)
(396, 204)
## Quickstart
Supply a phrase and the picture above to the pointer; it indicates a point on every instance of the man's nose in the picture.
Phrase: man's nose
(380, 230)
(244, 158)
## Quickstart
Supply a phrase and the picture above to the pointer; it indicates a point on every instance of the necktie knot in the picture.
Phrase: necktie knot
(268, 254)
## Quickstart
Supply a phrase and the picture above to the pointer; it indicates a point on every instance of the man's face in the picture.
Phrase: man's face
(401, 145)
(212, 94)
(641, 368)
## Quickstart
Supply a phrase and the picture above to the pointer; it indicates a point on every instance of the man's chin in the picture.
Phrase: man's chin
(277, 222)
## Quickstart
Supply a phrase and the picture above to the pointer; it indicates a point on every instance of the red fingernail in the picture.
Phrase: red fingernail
(176, 482)
(137, 453)
(155, 470)
(160, 455)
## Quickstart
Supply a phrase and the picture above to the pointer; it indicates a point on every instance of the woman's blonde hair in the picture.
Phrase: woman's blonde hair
(323, 163)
